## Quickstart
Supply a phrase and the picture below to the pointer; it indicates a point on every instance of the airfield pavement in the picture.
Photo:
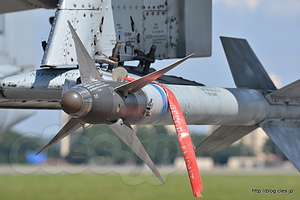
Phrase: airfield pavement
(141, 169)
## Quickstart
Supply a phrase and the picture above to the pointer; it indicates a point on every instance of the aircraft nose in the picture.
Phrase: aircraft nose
(72, 102)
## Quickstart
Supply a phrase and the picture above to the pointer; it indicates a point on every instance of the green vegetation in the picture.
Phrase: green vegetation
(99, 141)
(93, 186)
(14, 147)
(163, 148)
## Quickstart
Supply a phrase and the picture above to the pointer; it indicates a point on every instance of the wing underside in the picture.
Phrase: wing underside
(31, 104)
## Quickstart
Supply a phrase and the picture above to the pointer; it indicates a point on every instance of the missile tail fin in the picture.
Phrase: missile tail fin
(290, 91)
(223, 137)
(246, 69)
(285, 134)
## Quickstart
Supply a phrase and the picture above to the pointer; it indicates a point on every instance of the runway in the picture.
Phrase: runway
(129, 169)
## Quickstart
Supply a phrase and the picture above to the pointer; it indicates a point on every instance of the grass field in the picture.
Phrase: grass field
(93, 186)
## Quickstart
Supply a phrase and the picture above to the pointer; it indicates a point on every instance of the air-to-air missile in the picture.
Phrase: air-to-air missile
(90, 96)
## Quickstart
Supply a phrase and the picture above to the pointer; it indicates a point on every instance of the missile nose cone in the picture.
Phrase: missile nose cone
(72, 102)
(76, 102)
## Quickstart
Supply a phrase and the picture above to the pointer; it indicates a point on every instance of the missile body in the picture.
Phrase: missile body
(101, 103)
(200, 105)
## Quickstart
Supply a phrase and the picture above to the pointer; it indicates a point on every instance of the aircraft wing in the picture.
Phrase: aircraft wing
(19, 5)
(12, 117)
(8, 70)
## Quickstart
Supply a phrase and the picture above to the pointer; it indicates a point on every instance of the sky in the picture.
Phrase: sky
(272, 28)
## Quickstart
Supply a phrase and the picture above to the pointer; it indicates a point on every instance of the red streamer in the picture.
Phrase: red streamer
(185, 142)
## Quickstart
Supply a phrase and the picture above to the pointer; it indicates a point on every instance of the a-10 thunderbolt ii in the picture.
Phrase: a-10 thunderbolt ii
(93, 100)
(89, 96)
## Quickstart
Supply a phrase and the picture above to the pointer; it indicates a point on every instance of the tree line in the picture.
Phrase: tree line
(100, 144)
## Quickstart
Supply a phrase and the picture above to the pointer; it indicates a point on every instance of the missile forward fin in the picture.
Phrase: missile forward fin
(245, 67)
(71, 126)
(125, 132)
(87, 68)
(285, 134)
(224, 136)
(138, 84)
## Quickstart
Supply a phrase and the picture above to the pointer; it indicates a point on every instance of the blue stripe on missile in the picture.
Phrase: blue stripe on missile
(164, 100)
